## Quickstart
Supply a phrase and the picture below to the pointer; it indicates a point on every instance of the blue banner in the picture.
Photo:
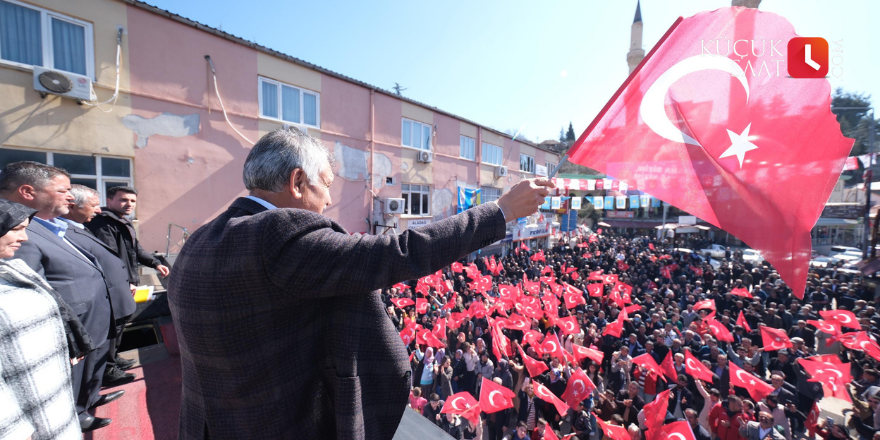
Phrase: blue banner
(468, 198)
(609, 202)
(633, 202)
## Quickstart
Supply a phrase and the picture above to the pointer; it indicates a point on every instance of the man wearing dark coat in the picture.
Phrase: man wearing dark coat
(281, 333)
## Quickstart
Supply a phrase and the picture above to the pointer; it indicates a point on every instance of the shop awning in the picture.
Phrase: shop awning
(632, 224)
(823, 221)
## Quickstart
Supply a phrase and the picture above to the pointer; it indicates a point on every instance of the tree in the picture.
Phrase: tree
(569, 136)
(562, 134)
(855, 122)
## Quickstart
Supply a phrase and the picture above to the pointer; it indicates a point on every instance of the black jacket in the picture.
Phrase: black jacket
(118, 233)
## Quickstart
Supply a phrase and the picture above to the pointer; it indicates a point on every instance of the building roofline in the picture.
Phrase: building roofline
(275, 53)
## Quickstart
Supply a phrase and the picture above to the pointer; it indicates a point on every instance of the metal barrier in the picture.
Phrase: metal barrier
(168, 237)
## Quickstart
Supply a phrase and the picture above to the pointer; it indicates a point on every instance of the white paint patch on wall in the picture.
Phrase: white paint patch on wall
(166, 124)
(441, 203)
(381, 169)
(352, 162)
(403, 166)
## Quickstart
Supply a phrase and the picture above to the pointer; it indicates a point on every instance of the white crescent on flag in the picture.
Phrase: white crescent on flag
(653, 106)
(583, 387)
(454, 406)
(491, 394)
(691, 364)
(738, 376)
(675, 434)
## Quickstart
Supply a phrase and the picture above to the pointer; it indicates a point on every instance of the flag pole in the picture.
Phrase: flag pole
(558, 166)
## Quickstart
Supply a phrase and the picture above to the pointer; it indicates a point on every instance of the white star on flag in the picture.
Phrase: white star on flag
(740, 144)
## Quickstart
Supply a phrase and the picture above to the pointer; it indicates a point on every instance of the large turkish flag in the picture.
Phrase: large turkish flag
(711, 123)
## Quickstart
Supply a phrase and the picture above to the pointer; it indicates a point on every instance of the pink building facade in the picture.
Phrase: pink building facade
(186, 160)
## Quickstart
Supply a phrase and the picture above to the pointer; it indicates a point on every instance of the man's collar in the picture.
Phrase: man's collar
(55, 226)
(265, 204)
(74, 223)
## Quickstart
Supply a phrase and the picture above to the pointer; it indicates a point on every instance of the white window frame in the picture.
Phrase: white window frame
(425, 190)
(550, 166)
(421, 126)
(99, 178)
(46, 17)
(490, 193)
(465, 144)
(529, 160)
(490, 151)
(302, 102)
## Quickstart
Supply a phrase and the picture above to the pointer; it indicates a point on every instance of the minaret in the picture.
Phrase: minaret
(636, 53)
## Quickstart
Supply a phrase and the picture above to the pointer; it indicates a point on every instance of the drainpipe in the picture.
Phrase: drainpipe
(372, 152)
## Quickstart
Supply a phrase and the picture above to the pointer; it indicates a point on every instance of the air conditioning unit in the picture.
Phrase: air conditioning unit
(394, 206)
(501, 171)
(66, 84)
(425, 157)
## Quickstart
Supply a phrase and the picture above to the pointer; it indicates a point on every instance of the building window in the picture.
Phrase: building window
(527, 163)
(550, 167)
(33, 36)
(289, 104)
(416, 135)
(468, 150)
(417, 199)
(490, 193)
(97, 172)
(492, 154)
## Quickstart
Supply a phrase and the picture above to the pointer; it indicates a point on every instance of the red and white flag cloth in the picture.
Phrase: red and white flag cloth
(494, 397)
(741, 291)
(719, 330)
(729, 139)
(402, 302)
(551, 345)
(539, 256)
(695, 368)
(844, 317)
(756, 387)
(679, 430)
(421, 306)
(741, 321)
(568, 325)
(580, 353)
(668, 367)
(463, 404)
(705, 304)
(609, 279)
(534, 366)
(613, 432)
(648, 364)
(774, 339)
(547, 396)
(813, 420)
(831, 328)
(833, 377)
(456, 267)
(408, 334)
(578, 389)
(655, 413)
(596, 289)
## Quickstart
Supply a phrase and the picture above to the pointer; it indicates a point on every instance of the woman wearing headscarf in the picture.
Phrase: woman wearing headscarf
(37, 344)
(426, 370)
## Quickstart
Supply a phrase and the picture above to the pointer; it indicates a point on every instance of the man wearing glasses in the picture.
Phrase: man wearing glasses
(763, 429)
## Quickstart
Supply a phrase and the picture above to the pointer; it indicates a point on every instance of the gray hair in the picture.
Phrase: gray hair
(26, 172)
(277, 154)
(81, 194)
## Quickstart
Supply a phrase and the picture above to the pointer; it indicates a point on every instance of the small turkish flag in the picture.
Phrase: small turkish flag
(578, 389)
(551, 345)
(440, 329)
(568, 325)
(622, 266)
(402, 302)
(826, 358)
(813, 419)
(648, 364)
(547, 396)
(655, 413)
(844, 317)
(651, 246)
(613, 432)
(774, 339)
(456, 267)
(539, 256)
(829, 327)
(719, 330)
(596, 276)
(571, 300)
(534, 366)
(741, 291)
(460, 403)
(616, 328)
(697, 271)
(726, 138)
(580, 353)
(680, 430)
(609, 279)
(498, 268)
(705, 304)
(695, 368)
(421, 306)
(533, 338)
(522, 246)
(756, 387)
(518, 322)
(635, 308)
(432, 340)
(668, 367)
(408, 334)
(741, 321)
(477, 309)
(494, 397)
(456, 319)
(833, 377)
(507, 291)
(596, 289)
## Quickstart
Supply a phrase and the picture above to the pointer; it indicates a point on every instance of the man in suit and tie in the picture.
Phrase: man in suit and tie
(84, 207)
(70, 269)
(763, 429)
(281, 332)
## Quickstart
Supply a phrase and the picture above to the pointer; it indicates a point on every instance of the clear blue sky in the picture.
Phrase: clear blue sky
(510, 63)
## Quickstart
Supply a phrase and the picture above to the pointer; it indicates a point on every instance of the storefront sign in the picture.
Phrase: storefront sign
(541, 170)
(619, 214)
(412, 224)
(687, 220)
(844, 210)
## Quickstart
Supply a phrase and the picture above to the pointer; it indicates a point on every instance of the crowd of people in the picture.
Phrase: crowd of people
(635, 315)
(67, 280)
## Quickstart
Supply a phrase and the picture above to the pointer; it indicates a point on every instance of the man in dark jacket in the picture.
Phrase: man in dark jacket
(113, 226)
